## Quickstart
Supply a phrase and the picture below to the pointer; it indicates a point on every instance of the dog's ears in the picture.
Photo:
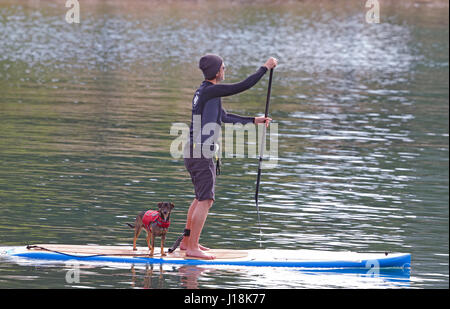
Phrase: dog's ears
(161, 203)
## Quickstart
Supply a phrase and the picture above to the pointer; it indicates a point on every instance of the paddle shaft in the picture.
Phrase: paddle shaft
(258, 178)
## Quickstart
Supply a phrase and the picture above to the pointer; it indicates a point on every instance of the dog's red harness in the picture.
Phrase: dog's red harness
(153, 215)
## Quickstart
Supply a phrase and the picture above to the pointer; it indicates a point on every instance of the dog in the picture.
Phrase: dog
(155, 223)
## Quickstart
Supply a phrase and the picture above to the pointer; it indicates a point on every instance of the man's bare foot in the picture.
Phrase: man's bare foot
(184, 247)
(199, 254)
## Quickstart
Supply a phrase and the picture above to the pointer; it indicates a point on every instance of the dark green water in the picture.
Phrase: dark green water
(362, 112)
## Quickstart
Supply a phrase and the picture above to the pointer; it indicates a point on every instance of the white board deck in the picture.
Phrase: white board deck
(252, 257)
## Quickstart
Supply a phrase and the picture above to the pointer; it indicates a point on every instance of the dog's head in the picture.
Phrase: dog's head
(164, 209)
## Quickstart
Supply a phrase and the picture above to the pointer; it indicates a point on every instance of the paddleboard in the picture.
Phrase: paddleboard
(253, 257)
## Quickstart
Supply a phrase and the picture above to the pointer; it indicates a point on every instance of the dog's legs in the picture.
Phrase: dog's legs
(153, 245)
(137, 231)
(163, 238)
(149, 234)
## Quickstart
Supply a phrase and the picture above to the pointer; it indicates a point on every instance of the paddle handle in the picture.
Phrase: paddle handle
(269, 89)
(263, 139)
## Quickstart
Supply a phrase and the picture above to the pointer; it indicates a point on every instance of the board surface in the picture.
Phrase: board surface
(129, 252)
(252, 257)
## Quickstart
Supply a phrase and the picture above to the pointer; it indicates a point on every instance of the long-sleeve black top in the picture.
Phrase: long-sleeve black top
(207, 107)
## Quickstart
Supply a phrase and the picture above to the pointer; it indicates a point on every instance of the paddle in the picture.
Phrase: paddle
(258, 179)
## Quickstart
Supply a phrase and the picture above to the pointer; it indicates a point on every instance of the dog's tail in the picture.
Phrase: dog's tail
(131, 225)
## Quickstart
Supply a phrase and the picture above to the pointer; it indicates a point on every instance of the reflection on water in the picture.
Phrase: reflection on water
(193, 277)
(362, 113)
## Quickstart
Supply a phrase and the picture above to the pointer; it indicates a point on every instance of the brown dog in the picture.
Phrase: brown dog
(155, 224)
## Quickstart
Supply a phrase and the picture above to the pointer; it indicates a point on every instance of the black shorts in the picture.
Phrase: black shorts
(203, 176)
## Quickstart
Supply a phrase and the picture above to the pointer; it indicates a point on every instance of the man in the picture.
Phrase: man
(206, 111)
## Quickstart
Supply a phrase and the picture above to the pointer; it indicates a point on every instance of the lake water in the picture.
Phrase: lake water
(362, 114)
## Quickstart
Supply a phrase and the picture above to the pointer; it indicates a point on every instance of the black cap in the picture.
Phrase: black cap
(210, 65)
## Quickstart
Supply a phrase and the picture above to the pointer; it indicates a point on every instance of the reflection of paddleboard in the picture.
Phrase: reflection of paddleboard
(253, 257)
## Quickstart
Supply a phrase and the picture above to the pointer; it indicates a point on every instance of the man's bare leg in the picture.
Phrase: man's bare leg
(198, 219)
(184, 242)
